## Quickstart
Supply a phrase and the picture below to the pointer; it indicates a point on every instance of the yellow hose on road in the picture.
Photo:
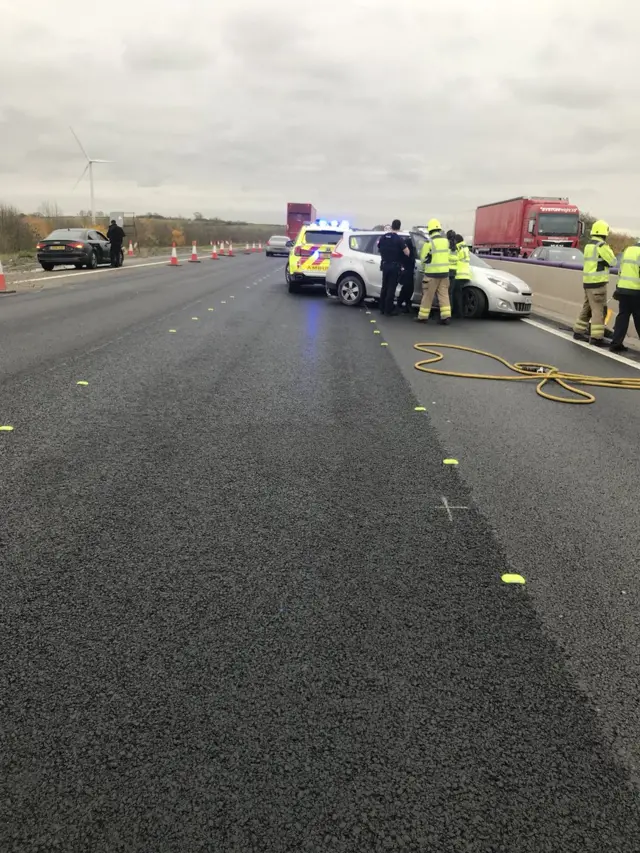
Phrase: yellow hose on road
(527, 371)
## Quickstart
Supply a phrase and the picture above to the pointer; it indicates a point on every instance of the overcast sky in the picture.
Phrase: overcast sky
(369, 109)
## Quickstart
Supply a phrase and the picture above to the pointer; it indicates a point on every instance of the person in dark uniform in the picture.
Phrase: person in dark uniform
(115, 235)
(406, 277)
(393, 250)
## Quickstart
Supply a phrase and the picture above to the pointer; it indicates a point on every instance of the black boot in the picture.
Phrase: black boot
(579, 336)
(618, 348)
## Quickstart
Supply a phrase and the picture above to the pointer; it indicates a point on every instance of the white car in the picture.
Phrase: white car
(354, 274)
(278, 245)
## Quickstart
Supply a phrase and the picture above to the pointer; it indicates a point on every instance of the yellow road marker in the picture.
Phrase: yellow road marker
(377, 332)
(372, 321)
(232, 297)
(513, 579)
(6, 428)
(449, 461)
(223, 302)
(173, 331)
(384, 345)
(209, 309)
(82, 382)
(420, 409)
(194, 318)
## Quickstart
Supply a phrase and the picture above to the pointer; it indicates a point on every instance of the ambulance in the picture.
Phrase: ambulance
(310, 256)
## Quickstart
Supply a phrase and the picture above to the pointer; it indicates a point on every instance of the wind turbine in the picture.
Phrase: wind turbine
(89, 168)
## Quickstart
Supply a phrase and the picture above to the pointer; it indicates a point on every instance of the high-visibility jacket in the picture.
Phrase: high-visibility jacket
(435, 254)
(453, 260)
(598, 257)
(629, 278)
(463, 262)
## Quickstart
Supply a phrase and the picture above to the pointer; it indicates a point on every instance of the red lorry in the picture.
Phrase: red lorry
(297, 214)
(517, 226)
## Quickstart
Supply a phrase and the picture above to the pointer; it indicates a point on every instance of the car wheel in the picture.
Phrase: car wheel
(269, 254)
(293, 287)
(351, 290)
(47, 267)
(474, 303)
(93, 261)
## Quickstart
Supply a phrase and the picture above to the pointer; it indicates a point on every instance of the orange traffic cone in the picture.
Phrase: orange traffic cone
(3, 282)
(174, 257)
(259, 247)
(253, 248)
(230, 251)
(214, 252)
(130, 252)
(194, 259)
(247, 250)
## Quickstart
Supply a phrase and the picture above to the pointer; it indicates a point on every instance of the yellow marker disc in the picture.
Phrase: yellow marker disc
(173, 330)
(420, 409)
(449, 461)
(372, 321)
(377, 332)
(384, 345)
(82, 382)
(6, 428)
(209, 309)
(513, 579)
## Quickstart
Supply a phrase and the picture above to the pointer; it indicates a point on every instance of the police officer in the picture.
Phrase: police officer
(598, 257)
(628, 295)
(435, 255)
(407, 278)
(462, 275)
(392, 250)
(115, 235)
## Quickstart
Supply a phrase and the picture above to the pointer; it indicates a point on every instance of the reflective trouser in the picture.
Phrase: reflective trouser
(593, 312)
(431, 286)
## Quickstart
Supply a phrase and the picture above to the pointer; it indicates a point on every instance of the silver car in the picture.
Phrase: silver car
(278, 245)
(354, 274)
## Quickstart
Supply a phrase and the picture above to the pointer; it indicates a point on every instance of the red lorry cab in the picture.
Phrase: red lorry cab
(517, 226)
(298, 213)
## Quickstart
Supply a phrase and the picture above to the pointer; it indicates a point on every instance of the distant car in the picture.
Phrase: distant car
(354, 274)
(278, 246)
(80, 247)
(557, 255)
(309, 259)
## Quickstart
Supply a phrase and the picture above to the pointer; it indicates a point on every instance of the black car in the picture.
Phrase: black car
(81, 247)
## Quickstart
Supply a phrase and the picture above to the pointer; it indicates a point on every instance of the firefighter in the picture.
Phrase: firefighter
(598, 257)
(453, 263)
(462, 276)
(115, 235)
(407, 278)
(435, 255)
(628, 295)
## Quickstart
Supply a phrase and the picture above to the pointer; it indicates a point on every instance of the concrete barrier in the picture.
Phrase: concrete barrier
(557, 290)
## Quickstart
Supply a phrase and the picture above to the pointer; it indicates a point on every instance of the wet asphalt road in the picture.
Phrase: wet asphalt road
(236, 615)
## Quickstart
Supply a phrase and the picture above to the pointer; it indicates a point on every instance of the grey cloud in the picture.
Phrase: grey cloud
(168, 54)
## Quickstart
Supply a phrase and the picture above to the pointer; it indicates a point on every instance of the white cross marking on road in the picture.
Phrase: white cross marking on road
(447, 507)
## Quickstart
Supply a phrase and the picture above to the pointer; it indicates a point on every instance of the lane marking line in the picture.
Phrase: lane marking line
(510, 578)
(567, 337)
(447, 507)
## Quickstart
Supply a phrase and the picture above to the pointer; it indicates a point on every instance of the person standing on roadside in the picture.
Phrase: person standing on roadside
(628, 295)
(115, 235)
(462, 275)
(407, 277)
(453, 263)
(598, 258)
(392, 250)
(435, 255)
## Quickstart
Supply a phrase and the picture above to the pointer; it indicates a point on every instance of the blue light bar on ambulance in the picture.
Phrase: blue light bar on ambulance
(323, 223)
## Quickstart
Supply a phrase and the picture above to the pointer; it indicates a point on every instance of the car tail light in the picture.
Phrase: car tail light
(297, 252)
(40, 246)
(77, 246)
(336, 254)
(302, 253)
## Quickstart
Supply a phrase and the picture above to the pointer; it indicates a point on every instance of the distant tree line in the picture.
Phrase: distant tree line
(19, 232)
